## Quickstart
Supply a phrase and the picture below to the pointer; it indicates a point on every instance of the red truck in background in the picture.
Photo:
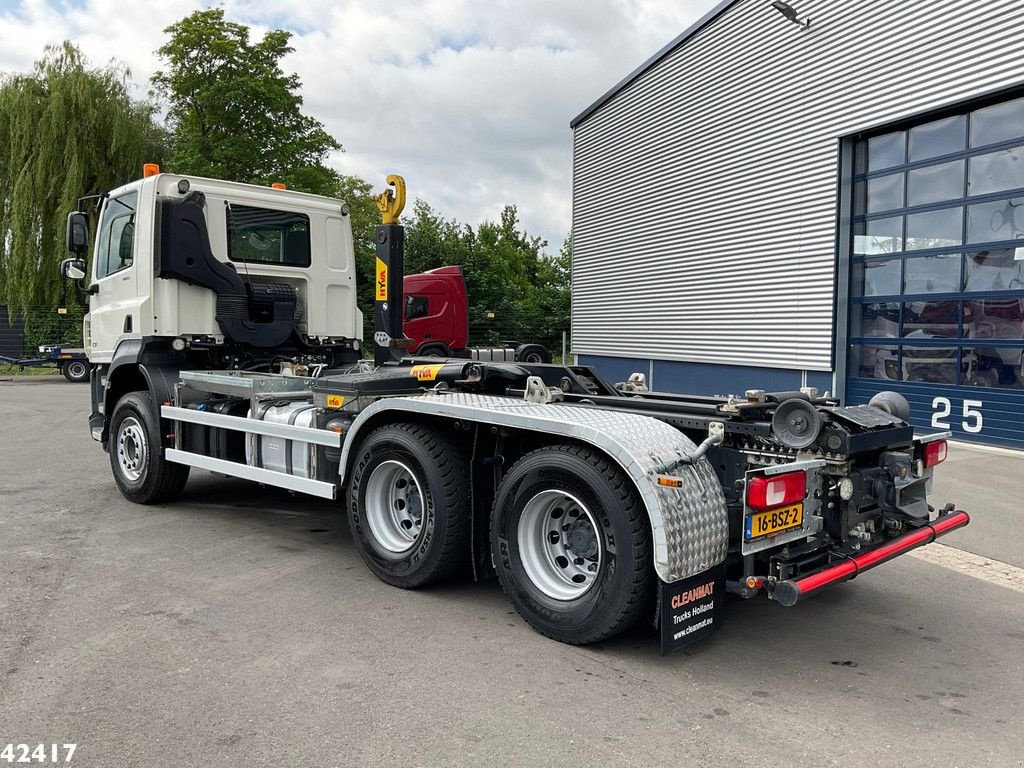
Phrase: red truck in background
(437, 319)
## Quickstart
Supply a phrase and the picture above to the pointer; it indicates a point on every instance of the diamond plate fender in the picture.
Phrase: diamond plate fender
(689, 523)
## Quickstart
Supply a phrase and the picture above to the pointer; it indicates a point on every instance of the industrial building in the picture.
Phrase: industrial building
(823, 193)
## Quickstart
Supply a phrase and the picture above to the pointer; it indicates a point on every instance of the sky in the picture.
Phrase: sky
(469, 101)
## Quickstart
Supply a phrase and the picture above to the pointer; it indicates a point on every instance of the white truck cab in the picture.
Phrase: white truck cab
(194, 273)
(267, 236)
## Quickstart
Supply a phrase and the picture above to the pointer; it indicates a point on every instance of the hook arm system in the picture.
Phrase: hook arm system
(391, 203)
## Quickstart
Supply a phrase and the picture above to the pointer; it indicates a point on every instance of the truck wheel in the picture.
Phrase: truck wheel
(409, 505)
(76, 371)
(532, 353)
(136, 455)
(433, 350)
(572, 545)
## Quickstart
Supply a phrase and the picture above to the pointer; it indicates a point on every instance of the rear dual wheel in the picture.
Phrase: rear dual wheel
(570, 538)
(409, 505)
(571, 544)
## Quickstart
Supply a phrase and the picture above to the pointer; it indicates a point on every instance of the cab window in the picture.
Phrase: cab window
(261, 235)
(116, 247)
(415, 306)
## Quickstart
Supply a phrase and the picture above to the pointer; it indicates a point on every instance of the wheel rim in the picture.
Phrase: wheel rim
(534, 357)
(131, 448)
(394, 507)
(559, 545)
(77, 370)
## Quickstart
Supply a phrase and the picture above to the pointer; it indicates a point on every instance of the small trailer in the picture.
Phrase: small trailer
(73, 363)
(225, 337)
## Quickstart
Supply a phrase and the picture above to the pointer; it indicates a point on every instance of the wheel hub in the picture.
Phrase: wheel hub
(394, 507)
(581, 539)
(131, 448)
(559, 545)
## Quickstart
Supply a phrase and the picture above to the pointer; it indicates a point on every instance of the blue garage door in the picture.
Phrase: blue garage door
(937, 272)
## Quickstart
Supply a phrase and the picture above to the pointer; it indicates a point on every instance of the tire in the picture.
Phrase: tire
(532, 353)
(606, 584)
(433, 350)
(76, 371)
(137, 460)
(409, 508)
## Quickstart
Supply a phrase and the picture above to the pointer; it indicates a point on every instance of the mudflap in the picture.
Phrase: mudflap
(691, 609)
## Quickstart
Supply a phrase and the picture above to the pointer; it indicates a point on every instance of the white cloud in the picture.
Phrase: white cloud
(470, 101)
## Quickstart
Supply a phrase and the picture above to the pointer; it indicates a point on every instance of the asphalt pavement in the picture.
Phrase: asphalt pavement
(238, 627)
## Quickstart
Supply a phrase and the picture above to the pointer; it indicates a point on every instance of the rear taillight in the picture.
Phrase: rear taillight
(776, 491)
(935, 452)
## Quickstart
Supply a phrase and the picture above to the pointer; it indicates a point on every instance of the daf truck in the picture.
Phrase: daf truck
(224, 336)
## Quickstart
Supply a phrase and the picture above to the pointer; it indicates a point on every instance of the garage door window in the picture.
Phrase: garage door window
(937, 272)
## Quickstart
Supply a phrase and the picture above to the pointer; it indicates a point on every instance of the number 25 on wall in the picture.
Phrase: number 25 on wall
(972, 421)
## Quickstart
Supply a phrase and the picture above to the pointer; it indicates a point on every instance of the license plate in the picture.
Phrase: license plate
(773, 521)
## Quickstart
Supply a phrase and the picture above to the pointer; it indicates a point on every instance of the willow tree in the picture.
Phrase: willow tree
(66, 130)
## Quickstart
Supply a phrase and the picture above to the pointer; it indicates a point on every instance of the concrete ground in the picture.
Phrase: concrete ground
(238, 627)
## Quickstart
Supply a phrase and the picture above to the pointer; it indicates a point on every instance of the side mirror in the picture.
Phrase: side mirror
(124, 246)
(73, 269)
(78, 233)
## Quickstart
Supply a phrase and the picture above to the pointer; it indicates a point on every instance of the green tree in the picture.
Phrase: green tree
(432, 241)
(44, 325)
(234, 113)
(515, 289)
(365, 217)
(66, 130)
(549, 303)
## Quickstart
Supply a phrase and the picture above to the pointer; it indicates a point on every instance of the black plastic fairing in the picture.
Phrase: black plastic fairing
(183, 253)
(183, 248)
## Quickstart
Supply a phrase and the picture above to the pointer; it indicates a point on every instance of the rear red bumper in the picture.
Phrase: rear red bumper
(790, 592)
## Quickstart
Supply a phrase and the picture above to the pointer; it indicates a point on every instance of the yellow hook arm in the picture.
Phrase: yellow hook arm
(391, 203)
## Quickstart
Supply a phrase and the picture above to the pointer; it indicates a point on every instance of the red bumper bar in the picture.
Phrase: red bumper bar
(789, 592)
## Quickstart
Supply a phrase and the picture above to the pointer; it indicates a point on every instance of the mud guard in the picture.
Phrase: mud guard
(691, 609)
(684, 501)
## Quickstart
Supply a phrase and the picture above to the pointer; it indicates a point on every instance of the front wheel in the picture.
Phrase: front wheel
(137, 460)
(572, 545)
(76, 371)
(409, 505)
(433, 350)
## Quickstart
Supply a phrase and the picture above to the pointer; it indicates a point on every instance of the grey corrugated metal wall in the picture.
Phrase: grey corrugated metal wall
(705, 192)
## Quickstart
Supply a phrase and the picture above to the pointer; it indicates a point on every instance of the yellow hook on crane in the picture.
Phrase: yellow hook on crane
(391, 203)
